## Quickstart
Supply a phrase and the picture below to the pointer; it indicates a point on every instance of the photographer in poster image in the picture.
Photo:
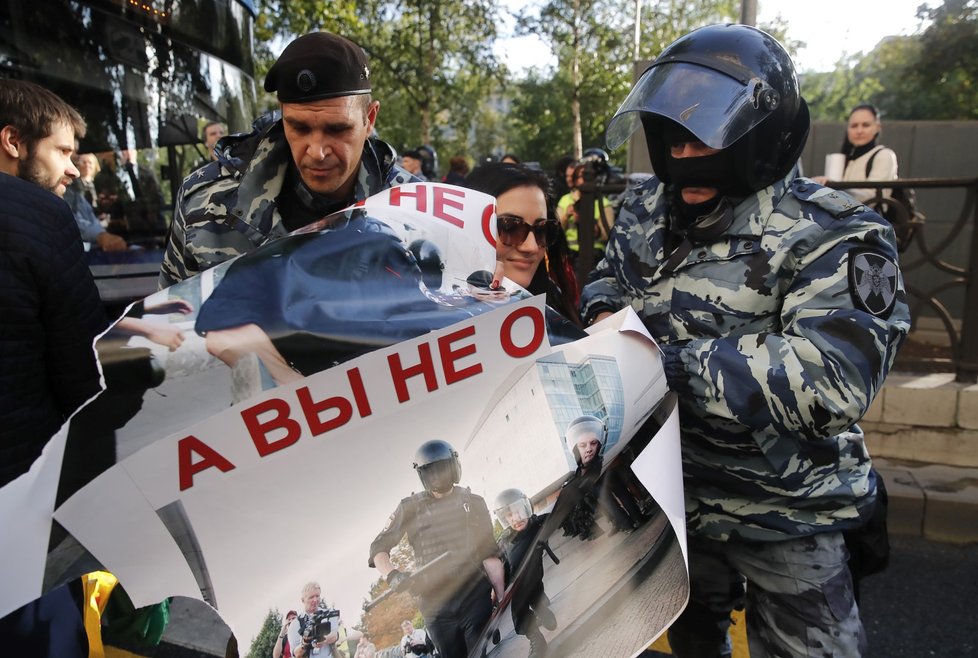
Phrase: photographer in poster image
(416, 643)
(316, 631)
(452, 525)
(522, 548)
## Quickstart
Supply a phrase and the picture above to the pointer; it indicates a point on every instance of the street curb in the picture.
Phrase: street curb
(933, 501)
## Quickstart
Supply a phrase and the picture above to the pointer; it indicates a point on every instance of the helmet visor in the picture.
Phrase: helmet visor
(439, 476)
(512, 514)
(715, 107)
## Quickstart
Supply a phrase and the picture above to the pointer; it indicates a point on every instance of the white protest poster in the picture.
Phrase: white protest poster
(272, 445)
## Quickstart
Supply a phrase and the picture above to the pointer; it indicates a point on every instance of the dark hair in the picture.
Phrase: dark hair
(512, 156)
(560, 175)
(847, 147)
(458, 164)
(866, 106)
(33, 111)
(497, 178)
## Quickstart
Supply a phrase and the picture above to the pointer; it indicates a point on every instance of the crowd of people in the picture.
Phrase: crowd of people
(777, 304)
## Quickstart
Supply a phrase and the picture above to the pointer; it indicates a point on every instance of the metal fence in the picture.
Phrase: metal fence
(924, 252)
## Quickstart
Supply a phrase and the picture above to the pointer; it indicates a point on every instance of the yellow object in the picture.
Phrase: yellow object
(738, 635)
(97, 587)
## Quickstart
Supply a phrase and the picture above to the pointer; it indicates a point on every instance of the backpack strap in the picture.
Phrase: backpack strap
(869, 163)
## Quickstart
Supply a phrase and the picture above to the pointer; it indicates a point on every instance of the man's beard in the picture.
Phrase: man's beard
(31, 171)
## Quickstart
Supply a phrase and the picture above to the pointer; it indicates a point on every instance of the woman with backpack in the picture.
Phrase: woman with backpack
(865, 158)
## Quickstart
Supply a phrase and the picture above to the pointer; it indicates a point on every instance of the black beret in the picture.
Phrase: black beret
(317, 66)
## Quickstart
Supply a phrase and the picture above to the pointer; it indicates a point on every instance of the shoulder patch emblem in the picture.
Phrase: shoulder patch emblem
(872, 281)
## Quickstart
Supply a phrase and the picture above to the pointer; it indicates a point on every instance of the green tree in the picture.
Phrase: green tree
(932, 75)
(431, 60)
(382, 623)
(264, 642)
(561, 111)
(664, 21)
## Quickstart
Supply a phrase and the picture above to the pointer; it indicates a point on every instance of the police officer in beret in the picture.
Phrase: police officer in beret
(312, 158)
(451, 524)
(779, 307)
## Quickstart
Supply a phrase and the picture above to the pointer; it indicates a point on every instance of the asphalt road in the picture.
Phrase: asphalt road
(925, 603)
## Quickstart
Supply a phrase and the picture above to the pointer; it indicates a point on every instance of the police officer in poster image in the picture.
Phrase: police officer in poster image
(522, 544)
(779, 307)
(449, 529)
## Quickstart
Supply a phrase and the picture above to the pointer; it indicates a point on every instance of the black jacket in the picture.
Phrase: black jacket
(51, 315)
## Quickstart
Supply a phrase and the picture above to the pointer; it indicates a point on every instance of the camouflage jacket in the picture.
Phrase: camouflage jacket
(229, 206)
(777, 337)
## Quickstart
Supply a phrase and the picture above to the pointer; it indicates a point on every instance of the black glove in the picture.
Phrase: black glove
(395, 578)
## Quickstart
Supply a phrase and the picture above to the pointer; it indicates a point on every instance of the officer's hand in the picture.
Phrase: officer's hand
(395, 578)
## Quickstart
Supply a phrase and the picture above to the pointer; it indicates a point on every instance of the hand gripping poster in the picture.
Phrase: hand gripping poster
(347, 422)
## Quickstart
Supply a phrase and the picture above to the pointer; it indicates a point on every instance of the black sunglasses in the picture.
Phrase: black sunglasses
(513, 230)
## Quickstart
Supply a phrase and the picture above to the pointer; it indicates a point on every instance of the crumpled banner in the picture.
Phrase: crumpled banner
(262, 418)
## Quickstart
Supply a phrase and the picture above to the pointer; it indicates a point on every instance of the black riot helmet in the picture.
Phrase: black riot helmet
(429, 161)
(437, 465)
(430, 261)
(732, 86)
(597, 164)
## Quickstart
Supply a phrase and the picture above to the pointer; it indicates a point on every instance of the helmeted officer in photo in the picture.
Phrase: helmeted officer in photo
(586, 437)
(522, 546)
(311, 159)
(779, 307)
(456, 594)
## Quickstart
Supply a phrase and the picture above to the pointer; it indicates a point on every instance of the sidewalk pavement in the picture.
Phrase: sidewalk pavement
(933, 501)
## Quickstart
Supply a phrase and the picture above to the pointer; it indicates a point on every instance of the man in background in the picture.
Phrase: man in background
(411, 161)
(52, 309)
(211, 134)
(52, 313)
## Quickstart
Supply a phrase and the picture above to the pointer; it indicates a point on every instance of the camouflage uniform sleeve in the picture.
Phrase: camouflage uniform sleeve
(177, 263)
(602, 292)
(816, 376)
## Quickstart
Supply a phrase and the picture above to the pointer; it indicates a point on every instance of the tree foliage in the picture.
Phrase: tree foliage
(562, 111)
(382, 624)
(264, 642)
(932, 75)
(431, 60)
(438, 81)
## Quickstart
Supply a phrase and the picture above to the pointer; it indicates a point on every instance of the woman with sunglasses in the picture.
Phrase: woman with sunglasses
(529, 234)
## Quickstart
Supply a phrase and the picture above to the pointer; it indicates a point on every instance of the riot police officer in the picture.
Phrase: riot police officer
(522, 545)
(778, 307)
(451, 524)
(586, 438)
